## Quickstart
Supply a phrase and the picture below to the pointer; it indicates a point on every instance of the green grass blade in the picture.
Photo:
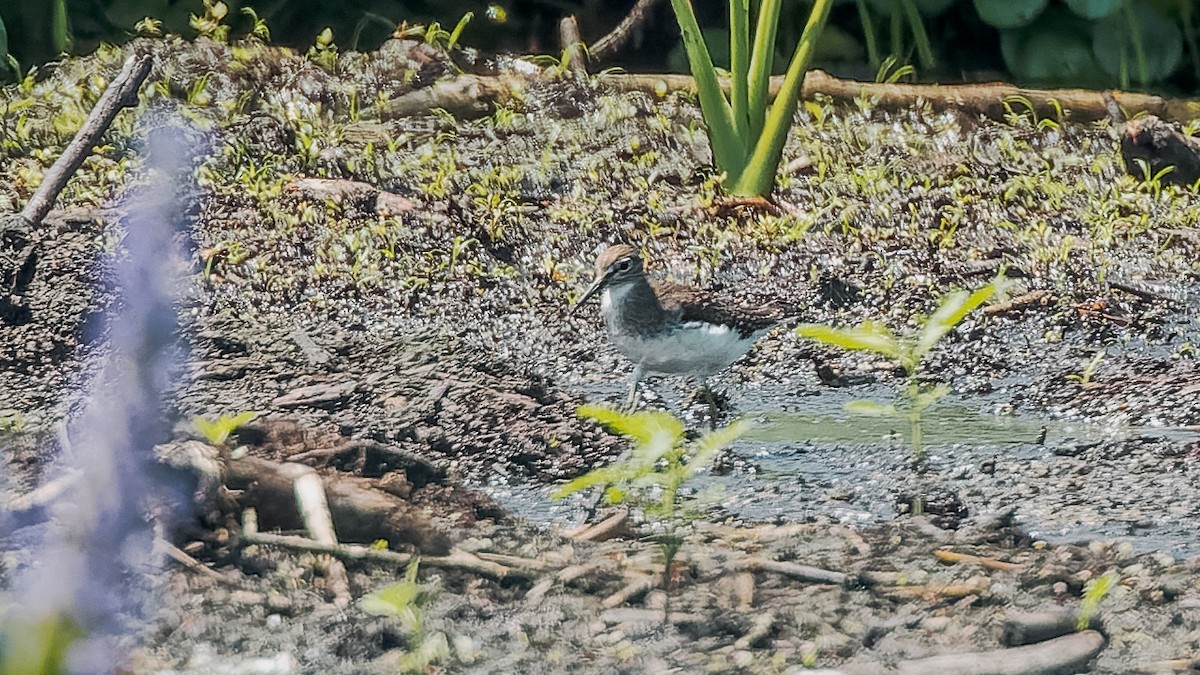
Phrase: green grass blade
(868, 28)
(761, 60)
(739, 64)
(759, 175)
(727, 147)
(868, 336)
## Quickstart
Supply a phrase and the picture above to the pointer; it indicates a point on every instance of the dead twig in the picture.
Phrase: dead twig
(814, 575)
(602, 531)
(637, 585)
(178, 555)
(456, 560)
(572, 45)
(616, 38)
(950, 557)
(1039, 298)
(760, 628)
(121, 93)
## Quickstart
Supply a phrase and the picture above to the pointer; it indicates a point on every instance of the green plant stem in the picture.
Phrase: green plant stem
(1135, 38)
(868, 29)
(761, 60)
(924, 50)
(759, 176)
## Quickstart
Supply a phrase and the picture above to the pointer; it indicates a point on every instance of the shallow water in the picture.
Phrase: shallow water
(1070, 479)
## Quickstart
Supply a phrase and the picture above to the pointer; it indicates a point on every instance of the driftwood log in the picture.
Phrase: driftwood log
(478, 95)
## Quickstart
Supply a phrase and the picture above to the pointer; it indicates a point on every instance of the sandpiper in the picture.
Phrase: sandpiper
(664, 327)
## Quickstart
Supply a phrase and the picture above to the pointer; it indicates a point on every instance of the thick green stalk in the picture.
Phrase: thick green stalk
(759, 175)
(728, 149)
(761, 60)
(739, 63)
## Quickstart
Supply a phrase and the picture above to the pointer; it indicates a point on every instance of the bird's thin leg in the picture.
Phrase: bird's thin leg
(631, 404)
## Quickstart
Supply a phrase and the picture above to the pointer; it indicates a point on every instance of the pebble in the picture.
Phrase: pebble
(935, 624)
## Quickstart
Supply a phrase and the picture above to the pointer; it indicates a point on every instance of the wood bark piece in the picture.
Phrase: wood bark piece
(465, 96)
(360, 513)
(1038, 298)
(760, 628)
(325, 395)
(1067, 654)
(121, 93)
(636, 586)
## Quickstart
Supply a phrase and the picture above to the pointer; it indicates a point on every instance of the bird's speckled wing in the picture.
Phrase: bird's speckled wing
(694, 304)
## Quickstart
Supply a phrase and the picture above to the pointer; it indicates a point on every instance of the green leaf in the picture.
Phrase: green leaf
(1009, 13)
(868, 336)
(217, 431)
(758, 176)
(728, 148)
(706, 447)
(647, 428)
(871, 409)
(954, 308)
(928, 396)
(1094, 9)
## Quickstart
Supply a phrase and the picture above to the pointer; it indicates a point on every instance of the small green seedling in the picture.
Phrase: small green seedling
(660, 465)
(406, 602)
(37, 647)
(217, 431)
(1094, 591)
(1089, 370)
(909, 351)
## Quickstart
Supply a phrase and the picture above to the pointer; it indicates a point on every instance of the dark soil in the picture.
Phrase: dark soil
(432, 339)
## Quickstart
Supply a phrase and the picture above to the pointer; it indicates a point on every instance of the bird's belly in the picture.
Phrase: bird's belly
(693, 348)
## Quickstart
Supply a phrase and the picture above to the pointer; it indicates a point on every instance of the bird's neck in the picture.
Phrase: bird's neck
(632, 307)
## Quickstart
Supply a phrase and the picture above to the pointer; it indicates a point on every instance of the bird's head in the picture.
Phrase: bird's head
(615, 265)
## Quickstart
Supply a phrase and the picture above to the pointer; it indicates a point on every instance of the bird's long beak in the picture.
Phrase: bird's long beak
(587, 295)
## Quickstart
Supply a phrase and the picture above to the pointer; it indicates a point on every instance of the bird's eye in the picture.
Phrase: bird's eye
(624, 265)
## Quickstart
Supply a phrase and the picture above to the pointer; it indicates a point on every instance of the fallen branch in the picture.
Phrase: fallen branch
(572, 46)
(760, 628)
(121, 93)
(178, 555)
(1067, 654)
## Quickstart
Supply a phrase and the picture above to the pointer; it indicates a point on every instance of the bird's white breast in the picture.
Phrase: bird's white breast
(693, 348)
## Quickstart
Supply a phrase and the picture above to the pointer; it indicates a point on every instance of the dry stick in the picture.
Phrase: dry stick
(572, 44)
(121, 93)
(603, 530)
(314, 510)
(759, 629)
(1067, 654)
(616, 38)
(178, 555)
(797, 571)
(990, 563)
(457, 560)
(636, 586)
(1026, 628)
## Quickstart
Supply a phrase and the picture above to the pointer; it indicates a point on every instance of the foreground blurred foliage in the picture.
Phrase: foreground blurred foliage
(1090, 43)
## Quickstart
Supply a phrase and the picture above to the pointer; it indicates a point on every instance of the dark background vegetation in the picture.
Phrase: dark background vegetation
(1132, 44)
